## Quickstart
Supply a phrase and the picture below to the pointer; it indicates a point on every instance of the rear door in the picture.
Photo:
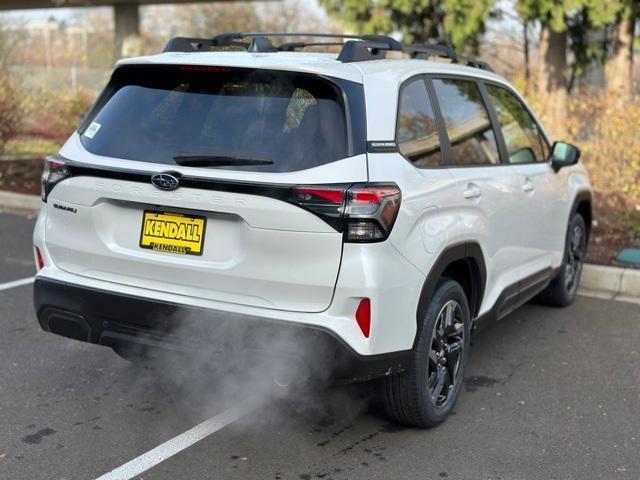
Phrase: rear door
(237, 141)
(484, 187)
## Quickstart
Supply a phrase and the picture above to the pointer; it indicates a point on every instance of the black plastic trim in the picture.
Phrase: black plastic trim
(581, 197)
(368, 47)
(516, 295)
(115, 319)
(278, 191)
(472, 253)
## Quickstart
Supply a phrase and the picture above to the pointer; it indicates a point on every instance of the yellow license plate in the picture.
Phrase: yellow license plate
(173, 232)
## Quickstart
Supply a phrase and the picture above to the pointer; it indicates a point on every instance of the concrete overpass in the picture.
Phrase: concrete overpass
(126, 16)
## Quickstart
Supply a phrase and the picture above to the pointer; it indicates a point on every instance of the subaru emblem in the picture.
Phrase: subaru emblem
(165, 181)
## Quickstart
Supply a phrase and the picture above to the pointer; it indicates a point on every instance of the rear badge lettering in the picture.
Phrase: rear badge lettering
(65, 208)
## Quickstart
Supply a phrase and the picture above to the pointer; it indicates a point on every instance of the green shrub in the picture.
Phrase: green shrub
(10, 112)
(55, 114)
(606, 126)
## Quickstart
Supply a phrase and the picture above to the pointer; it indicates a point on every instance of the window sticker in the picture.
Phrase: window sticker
(92, 130)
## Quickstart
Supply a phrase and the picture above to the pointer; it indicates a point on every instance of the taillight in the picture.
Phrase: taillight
(322, 199)
(365, 212)
(371, 210)
(326, 201)
(55, 170)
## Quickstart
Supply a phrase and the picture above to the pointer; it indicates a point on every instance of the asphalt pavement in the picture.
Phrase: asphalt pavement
(549, 394)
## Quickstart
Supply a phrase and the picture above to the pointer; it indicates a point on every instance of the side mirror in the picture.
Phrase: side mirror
(563, 155)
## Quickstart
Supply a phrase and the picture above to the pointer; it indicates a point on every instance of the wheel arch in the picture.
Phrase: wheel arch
(463, 262)
(583, 204)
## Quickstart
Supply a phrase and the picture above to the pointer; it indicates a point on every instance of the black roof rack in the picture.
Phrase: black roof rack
(293, 46)
(356, 48)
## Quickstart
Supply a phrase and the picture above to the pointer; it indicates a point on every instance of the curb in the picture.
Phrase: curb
(19, 202)
(611, 283)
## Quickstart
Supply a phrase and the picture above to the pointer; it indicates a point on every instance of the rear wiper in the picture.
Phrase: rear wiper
(218, 160)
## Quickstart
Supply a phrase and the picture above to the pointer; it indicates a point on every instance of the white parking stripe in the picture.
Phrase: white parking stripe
(177, 444)
(16, 283)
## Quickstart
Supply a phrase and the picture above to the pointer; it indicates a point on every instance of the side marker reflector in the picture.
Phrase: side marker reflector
(39, 259)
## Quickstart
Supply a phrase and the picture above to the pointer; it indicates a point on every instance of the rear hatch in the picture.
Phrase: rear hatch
(182, 179)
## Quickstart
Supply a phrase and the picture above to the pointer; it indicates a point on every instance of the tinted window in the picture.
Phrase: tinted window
(524, 142)
(417, 135)
(468, 126)
(283, 121)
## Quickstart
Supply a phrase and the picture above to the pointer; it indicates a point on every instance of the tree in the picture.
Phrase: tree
(552, 71)
(207, 20)
(619, 70)
(457, 22)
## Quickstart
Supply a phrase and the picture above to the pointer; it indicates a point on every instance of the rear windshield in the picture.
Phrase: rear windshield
(217, 117)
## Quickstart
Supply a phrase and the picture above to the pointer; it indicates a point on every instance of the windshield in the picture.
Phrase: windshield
(255, 120)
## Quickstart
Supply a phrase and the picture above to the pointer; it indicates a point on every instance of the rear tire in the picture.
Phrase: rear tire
(424, 395)
(562, 290)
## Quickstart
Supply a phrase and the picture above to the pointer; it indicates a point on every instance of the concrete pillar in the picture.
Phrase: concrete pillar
(127, 30)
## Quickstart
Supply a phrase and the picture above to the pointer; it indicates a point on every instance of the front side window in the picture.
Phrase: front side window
(226, 118)
(524, 142)
(471, 135)
(417, 134)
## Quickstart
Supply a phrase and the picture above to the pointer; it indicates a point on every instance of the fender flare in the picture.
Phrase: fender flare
(582, 196)
(472, 253)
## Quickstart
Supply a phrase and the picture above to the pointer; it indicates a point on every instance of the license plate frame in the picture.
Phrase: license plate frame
(171, 232)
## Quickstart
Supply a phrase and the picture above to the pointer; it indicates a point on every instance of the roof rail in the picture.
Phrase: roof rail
(356, 48)
(425, 51)
(293, 46)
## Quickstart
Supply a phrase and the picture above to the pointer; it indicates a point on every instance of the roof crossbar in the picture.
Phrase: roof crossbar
(293, 46)
(355, 48)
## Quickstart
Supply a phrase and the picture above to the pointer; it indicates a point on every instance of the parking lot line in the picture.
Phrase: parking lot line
(16, 283)
(179, 443)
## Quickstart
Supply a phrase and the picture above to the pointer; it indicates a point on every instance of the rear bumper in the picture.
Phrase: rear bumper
(116, 319)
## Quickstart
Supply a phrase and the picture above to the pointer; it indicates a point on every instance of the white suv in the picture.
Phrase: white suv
(351, 216)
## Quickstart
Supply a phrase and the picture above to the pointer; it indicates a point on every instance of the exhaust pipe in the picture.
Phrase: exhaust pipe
(285, 374)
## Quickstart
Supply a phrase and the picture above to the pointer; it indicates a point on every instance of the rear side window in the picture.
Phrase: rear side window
(473, 141)
(217, 117)
(525, 143)
(417, 134)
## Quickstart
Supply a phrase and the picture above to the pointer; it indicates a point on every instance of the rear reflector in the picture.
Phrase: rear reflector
(39, 259)
(363, 316)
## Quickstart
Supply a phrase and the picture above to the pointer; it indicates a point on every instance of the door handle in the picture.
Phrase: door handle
(472, 192)
(528, 186)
